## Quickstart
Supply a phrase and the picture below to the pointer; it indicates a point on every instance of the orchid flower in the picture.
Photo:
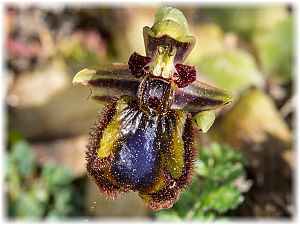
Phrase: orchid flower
(144, 140)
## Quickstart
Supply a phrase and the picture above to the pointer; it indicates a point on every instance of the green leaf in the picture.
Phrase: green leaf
(56, 176)
(209, 42)
(13, 179)
(74, 51)
(219, 163)
(246, 20)
(40, 193)
(21, 155)
(222, 199)
(63, 200)
(275, 49)
(169, 216)
(233, 70)
(207, 216)
(201, 169)
(29, 207)
(213, 192)
(14, 136)
(205, 120)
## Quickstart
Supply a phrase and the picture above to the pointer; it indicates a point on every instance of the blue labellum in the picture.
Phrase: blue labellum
(137, 160)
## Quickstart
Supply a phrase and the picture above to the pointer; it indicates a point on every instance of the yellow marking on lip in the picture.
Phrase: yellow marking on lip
(175, 160)
(111, 135)
(160, 184)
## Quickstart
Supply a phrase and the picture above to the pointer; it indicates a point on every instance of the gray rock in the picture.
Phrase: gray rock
(128, 205)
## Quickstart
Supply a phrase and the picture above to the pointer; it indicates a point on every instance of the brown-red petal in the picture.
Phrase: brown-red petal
(136, 64)
(186, 75)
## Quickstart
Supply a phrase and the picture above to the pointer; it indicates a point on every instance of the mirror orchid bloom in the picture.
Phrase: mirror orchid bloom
(144, 140)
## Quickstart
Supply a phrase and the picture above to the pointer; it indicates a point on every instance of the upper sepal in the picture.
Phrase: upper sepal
(183, 46)
(167, 18)
(170, 28)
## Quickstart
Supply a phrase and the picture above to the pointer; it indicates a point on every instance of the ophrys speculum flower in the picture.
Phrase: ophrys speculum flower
(144, 139)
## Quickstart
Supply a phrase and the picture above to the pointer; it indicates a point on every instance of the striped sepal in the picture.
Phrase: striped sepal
(200, 96)
(108, 81)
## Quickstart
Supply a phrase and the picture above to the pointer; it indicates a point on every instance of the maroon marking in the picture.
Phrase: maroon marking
(136, 64)
(131, 85)
(187, 75)
(154, 102)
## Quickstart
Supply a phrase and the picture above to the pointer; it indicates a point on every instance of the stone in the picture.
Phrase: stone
(69, 152)
(44, 108)
(128, 205)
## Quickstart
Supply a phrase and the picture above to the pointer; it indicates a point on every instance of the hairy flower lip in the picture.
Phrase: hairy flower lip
(166, 197)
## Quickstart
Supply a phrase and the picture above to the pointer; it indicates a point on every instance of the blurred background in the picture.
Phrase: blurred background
(246, 160)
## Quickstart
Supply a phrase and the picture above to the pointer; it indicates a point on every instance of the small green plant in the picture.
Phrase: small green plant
(34, 193)
(214, 190)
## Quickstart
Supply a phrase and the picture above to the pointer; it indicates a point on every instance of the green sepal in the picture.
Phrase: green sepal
(167, 14)
(171, 23)
(108, 81)
(199, 96)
